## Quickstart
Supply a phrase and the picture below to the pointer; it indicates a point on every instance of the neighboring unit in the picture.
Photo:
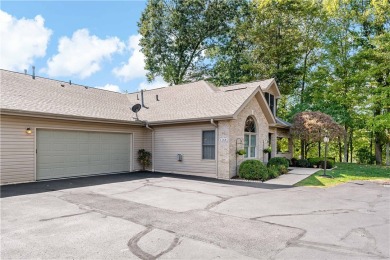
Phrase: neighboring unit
(53, 129)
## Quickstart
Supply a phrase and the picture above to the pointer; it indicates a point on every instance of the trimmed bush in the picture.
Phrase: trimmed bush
(273, 172)
(303, 163)
(282, 169)
(314, 161)
(276, 161)
(329, 164)
(294, 162)
(253, 170)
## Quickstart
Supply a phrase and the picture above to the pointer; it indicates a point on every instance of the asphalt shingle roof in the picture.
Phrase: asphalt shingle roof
(19, 92)
(191, 101)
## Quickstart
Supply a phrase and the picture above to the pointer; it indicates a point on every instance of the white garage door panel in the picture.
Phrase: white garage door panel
(75, 153)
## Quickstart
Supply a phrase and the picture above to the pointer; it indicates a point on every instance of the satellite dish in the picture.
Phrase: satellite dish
(136, 108)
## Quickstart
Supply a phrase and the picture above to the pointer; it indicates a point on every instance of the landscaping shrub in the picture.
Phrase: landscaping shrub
(329, 164)
(282, 169)
(314, 161)
(303, 163)
(273, 172)
(144, 158)
(294, 162)
(276, 161)
(253, 170)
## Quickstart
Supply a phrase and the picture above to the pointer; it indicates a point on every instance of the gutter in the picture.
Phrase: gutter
(24, 113)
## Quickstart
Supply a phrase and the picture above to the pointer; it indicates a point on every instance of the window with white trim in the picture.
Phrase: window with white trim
(250, 137)
(208, 145)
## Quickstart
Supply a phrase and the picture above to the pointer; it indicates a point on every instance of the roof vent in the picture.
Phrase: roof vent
(33, 72)
(157, 98)
(25, 72)
(137, 97)
(70, 82)
(234, 89)
(62, 85)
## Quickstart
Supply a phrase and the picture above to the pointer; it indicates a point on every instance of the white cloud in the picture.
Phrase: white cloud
(82, 54)
(157, 83)
(110, 87)
(134, 68)
(22, 41)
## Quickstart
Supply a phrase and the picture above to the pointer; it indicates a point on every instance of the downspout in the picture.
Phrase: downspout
(216, 146)
(153, 155)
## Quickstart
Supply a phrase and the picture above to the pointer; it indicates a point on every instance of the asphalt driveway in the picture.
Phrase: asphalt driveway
(149, 216)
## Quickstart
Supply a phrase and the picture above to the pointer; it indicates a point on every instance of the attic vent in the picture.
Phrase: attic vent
(234, 89)
(62, 85)
(157, 98)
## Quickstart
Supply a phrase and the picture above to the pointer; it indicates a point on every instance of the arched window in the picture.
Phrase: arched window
(250, 137)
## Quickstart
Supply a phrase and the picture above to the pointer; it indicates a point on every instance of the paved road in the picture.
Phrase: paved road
(164, 216)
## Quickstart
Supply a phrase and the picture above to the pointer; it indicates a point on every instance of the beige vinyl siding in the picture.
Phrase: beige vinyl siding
(186, 140)
(17, 152)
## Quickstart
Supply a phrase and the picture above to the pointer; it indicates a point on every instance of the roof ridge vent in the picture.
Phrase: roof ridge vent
(234, 89)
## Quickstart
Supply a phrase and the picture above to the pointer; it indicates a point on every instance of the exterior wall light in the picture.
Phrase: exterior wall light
(28, 131)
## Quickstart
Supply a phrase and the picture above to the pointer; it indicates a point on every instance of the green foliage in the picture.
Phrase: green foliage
(294, 162)
(282, 169)
(314, 161)
(276, 161)
(253, 170)
(267, 150)
(329, 164)
(144, 158)
(346, 172)
(364, 156)
(303, 163)
(241, 152)
(317, 161)
(176, 34)
(273, 172)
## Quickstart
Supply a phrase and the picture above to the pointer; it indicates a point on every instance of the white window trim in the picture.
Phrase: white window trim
(249, 144)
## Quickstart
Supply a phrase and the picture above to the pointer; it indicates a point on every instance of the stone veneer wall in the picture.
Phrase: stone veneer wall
(223, 149)
(234, 129)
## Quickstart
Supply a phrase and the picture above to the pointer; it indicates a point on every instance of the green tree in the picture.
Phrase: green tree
(176, 34)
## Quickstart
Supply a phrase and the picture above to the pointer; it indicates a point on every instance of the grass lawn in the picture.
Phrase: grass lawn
(347, 172)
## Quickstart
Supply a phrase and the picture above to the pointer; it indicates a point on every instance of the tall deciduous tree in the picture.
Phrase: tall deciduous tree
(311, 127)
(176, 34)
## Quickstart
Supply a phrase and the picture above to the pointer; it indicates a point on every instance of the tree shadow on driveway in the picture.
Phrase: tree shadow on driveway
(12, 190)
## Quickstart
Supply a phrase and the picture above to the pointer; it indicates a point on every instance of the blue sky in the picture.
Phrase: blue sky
(94, 43)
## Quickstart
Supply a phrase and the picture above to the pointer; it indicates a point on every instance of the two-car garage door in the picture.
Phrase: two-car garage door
(62, 153)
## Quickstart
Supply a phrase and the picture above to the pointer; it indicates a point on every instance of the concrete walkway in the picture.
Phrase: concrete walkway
(295, 175)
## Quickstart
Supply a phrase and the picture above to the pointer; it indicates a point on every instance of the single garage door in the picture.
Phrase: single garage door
(62, 154)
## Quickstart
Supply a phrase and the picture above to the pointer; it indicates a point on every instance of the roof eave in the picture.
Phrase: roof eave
(15, 112)
(191, 120)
